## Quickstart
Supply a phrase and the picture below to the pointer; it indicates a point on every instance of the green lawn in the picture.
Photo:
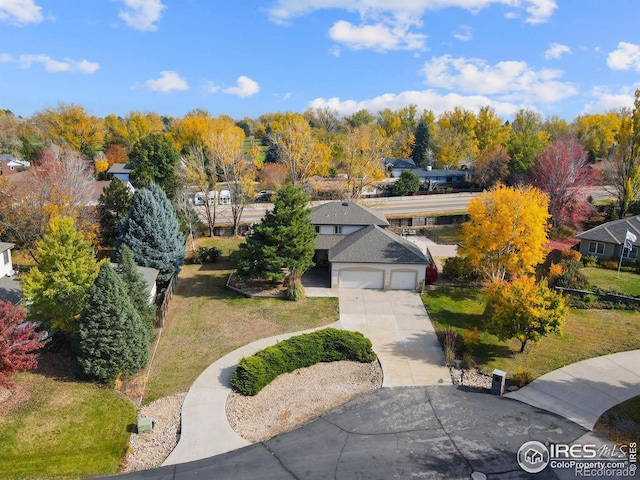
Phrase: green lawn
(63, 429)
(207, 321)
(588, 333)
(626, 283)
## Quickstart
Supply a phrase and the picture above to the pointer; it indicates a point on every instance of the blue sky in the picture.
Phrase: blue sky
(247, 58)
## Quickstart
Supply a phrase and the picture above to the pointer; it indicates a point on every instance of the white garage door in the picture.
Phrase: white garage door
(361, 279)
(403, 280)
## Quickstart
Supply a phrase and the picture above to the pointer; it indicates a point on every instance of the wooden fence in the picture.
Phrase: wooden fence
(164, 307)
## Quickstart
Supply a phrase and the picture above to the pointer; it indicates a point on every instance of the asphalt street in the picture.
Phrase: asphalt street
(443, 432)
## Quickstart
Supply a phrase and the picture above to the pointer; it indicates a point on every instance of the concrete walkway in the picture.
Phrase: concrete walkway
(583, 391)
(205, 429)
(402, 334)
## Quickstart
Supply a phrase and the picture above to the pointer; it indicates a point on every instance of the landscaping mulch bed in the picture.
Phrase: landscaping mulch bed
(256, 288)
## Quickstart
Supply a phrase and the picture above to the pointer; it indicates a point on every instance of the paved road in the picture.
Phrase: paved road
(442, 432)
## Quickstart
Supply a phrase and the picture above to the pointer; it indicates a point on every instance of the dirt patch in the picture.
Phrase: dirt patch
(12, 398)
(257, 287)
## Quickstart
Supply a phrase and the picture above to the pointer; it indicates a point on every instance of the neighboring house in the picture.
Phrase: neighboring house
(6, 265)
(606, 240)
(150, 275)
(353, 241)
(121, 171)
(10, 164)
(432, 178)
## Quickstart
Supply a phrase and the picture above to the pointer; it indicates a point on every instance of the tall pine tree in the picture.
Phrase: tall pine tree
(113, 340)
(152, 232)
(136, 287)
(421, 153)
(113, 205)
(283, 240)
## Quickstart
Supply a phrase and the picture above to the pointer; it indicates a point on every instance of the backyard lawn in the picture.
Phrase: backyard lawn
(626, 283)
(587, 333)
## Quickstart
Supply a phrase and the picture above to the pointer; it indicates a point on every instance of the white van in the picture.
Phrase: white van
(199, 198)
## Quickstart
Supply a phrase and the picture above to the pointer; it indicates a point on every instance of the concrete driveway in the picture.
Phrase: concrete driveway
(402, 334)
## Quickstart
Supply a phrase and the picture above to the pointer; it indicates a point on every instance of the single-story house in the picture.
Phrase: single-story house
(431, 177)
(606, 240)
(121, 171)
(6, 265)
(360, 252)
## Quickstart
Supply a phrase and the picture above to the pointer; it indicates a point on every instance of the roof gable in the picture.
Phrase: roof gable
(6, 246)
(346, 213)
(376, 245)
(613, 232)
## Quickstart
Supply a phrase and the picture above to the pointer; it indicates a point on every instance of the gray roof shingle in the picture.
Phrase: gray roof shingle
(373, 244)
(613, 232)
(346, 213)
(6, 246)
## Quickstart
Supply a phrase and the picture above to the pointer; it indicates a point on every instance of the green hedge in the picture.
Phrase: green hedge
(329, 345)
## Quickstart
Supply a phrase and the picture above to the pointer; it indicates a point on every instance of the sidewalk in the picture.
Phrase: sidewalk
(583, 391)
(205, 429)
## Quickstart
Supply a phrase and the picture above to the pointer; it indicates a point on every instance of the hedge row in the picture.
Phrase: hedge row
(329, 345)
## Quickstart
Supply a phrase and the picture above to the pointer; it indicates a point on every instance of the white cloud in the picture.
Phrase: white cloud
(168, 81)
(626, 57)
(335, 51)
(245, 87)
(508, 80)
(464, 33)
(283, 11)
(51, 65)
(378, 37)
(604, 100)
(142, 14)
(424, 99)
(210, 87)
(556, 50)
(20, 12)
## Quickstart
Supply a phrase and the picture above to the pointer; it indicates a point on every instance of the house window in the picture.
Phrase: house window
(596, 248)
(632, 254)
(5, 257)
(337, 229)
(317, 228)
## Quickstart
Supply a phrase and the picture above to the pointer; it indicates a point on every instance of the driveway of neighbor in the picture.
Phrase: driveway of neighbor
(583, 391)
(402, 334)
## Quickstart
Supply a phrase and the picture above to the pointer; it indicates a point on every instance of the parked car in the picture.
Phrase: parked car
(265, 195)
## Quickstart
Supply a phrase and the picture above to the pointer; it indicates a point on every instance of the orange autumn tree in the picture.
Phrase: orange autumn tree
(507, 231)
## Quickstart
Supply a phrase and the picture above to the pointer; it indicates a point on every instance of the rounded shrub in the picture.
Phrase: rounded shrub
(329, 345)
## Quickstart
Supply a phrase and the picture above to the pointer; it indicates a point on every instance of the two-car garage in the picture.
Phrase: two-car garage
(387, 277)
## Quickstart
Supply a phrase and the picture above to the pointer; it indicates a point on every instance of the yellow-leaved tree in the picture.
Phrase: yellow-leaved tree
(507, 231)
(525, 310)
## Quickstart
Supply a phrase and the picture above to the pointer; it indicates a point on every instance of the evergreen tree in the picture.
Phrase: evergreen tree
(421, 152)
(407, 184)
(113, 205)
(56, 289)
(283, 240)
(153, 160)
(152, 232)
(136, 287)
(112, 338)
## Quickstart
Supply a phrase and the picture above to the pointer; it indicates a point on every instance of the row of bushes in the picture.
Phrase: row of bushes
(329, 345)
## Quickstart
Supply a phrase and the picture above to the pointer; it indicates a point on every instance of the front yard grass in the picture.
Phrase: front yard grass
(63, 429)
(621, 423)
(206, 321)
(627, 283)
(587, 333)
